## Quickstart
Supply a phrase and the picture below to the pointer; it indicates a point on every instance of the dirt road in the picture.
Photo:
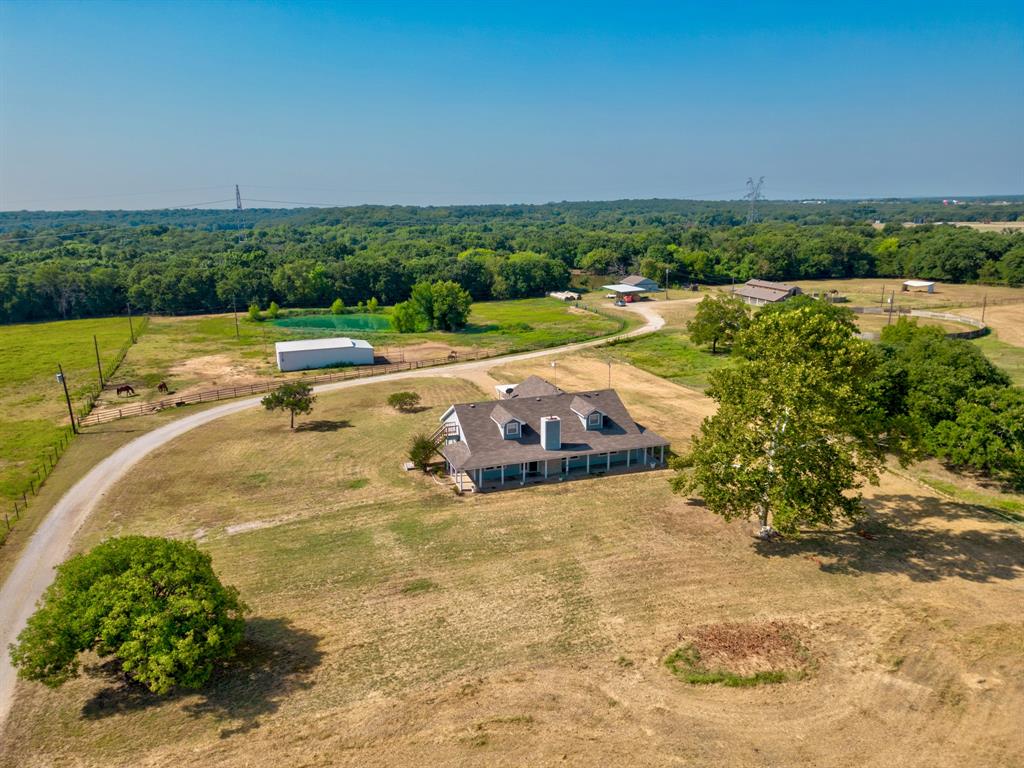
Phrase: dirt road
(50, 543)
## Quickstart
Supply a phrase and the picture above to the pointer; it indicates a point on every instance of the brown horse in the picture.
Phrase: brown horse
(162, 387)
(125, 389)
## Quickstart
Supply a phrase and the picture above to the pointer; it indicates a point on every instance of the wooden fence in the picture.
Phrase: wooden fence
(226, 393)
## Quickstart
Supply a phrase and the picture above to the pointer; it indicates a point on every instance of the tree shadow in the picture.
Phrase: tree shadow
(323, 425)
(893, 539)
(274, 661)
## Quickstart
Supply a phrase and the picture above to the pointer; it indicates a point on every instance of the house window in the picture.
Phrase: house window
(594, 420)
(512, 429)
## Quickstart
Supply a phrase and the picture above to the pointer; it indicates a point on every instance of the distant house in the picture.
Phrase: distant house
(537, 433)
(630, 287)
(639, 281)
(761, 292)
(322, 353)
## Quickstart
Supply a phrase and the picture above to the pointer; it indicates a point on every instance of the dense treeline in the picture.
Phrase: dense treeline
(178, 269)
(613, 214)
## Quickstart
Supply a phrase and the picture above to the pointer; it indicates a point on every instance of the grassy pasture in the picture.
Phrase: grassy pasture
(202, 352)
(397, 624)
(33, 412)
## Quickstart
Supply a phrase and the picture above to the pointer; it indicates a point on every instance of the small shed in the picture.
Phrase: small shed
(919, 285)
(623, 291)
(322, 353)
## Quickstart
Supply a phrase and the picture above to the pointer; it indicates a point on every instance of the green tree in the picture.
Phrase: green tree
(294, 397)
(718, 320)
(796, 428)
(450, 304)
(403, 401)
(153, 604)
(372, 305)
(273, 310)
(598, 261)
(406, 317)
(422, 451)
(254, 312)
(337, 307)
(987, 434)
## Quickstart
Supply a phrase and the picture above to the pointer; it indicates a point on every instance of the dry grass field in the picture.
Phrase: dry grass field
(394, 623)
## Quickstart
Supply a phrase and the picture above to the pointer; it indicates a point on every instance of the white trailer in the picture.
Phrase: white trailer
(322, 353)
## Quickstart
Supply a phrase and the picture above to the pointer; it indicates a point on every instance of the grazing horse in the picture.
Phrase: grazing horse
(162, 387)
(453, 355)
(125, 389)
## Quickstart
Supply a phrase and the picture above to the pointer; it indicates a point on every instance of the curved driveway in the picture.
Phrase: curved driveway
(50, 543)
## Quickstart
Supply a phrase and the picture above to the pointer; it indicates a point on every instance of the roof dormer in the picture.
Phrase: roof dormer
(511, 427)
(591, 417)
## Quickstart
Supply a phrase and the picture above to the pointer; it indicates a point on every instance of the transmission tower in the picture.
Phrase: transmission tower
(238, 208)
(753, 195)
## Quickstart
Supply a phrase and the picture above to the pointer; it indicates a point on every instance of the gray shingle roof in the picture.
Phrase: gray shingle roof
(535, 386)
(484, 446)
(583, 406)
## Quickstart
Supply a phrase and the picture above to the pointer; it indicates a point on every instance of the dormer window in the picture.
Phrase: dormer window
(512, 429)
(595, 420)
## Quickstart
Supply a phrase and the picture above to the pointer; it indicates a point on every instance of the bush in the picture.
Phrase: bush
(153, 604)
(403, 401)
(338, 307)
(254, 312)
(372, 305)
(273, 310)
(422, 452)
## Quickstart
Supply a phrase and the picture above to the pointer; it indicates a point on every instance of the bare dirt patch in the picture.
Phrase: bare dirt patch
(740, 653)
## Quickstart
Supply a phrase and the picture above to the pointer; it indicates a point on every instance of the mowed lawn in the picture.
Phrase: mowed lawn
(33, 412)
(394, 623)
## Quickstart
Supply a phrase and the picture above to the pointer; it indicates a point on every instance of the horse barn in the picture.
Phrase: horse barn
(322, 353)
(536, 432)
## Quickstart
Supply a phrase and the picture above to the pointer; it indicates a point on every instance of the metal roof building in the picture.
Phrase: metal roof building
(322, 353)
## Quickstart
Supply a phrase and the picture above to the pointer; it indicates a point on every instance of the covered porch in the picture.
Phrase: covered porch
(569, 467)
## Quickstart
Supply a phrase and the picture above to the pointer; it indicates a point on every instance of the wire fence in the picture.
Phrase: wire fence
(51, 455)
(47, 461)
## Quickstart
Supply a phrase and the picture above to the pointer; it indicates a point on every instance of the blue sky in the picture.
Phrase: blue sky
(154, 104)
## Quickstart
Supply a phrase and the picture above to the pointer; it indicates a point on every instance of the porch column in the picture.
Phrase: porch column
(502, 474)
(460, 480)
(545, 469)
(608, 466)
(629, 455)
(661, 456)
(522, 473)
(588, 463)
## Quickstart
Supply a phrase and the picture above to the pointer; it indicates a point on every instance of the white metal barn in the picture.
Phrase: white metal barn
(322, 353)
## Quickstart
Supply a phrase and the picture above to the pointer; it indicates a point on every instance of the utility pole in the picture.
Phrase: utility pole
(67, 398)
(235, 312)
(892, 307)
(984, 303)
(666, 283)
(131, 328)
(99, 368)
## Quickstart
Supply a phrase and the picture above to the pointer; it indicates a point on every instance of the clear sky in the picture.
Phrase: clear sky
(136, 105)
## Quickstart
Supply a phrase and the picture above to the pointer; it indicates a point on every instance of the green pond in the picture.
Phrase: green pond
(354, 322)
